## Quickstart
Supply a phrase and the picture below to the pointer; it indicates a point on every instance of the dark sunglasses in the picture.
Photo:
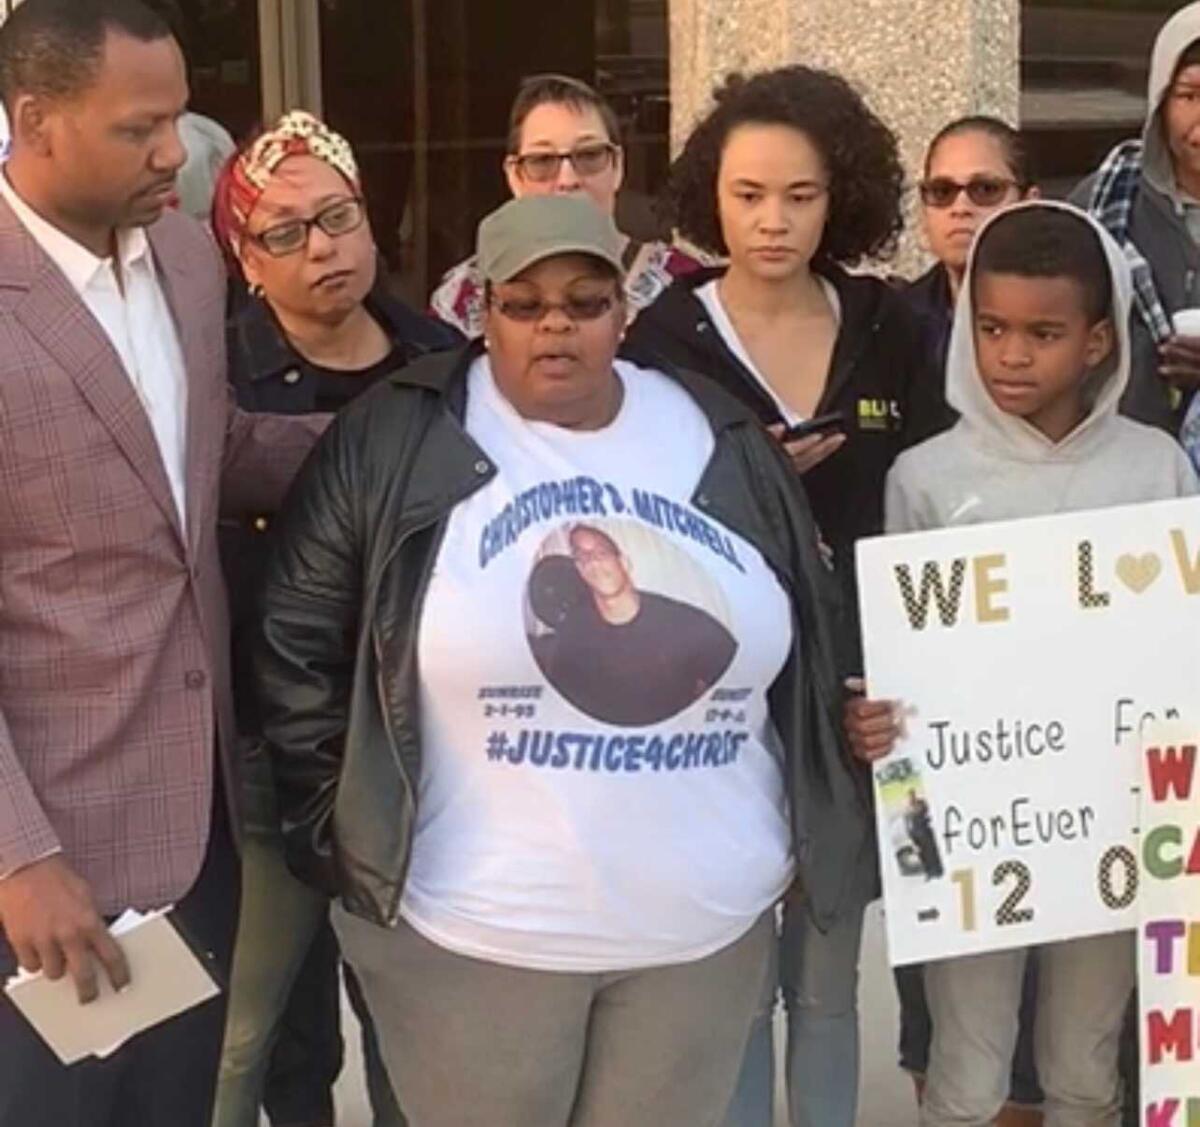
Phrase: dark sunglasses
(338, 218)
(982, 191)
(586, 160)
(584, 307)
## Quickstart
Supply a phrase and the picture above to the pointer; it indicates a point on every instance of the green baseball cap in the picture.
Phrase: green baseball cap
(527, 230)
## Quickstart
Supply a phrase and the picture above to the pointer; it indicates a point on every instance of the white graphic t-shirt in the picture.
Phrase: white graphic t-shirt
(600, 788)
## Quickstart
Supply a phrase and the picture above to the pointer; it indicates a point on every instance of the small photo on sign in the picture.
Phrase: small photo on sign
(909, 821)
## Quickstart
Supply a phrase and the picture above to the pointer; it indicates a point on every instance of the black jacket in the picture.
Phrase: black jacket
(337, 667)
(928, 299)
(878, 380)
(267, 374)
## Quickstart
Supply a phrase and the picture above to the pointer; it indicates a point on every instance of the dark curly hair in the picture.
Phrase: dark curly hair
(866, 179)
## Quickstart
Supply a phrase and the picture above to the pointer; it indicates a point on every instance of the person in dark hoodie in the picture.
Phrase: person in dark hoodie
(793, 179)
(1147, 194)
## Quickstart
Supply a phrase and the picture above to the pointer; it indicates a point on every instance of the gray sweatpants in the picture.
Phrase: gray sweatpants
(470, 1043)
(1083, 988)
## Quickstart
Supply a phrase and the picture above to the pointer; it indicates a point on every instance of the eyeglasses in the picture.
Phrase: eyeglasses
(336, 219)
(982, 191)
(586, 160)
(583, 307)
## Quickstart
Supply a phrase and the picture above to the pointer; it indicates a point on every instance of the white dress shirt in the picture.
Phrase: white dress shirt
(136, 319)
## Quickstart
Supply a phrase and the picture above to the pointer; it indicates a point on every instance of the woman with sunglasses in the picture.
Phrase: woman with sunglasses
(974, 167)
(564, 139)
(547, 682)
(792, 178)
(315, 330)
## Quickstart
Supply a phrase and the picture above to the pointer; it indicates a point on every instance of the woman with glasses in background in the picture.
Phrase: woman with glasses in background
(974, 167)
(564, 139)
(316, 329)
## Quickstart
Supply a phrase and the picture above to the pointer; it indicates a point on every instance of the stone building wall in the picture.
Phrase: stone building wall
(919, 63)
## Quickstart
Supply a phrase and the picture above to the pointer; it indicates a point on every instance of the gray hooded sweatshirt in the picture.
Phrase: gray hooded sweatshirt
(1164, 225)
(1176, 36)
(993, 466)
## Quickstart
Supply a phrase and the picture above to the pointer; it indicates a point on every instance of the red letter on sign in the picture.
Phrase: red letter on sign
(1172, 768)
(1163, 1114)
(1174, 1036)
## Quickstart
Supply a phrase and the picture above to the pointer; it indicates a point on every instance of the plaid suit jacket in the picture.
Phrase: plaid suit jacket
(114, 653)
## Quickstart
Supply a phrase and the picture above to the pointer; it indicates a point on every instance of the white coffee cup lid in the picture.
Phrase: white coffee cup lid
(1186, 322)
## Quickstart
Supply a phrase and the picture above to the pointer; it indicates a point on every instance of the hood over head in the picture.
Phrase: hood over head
(1176, 36)
(1011, 434)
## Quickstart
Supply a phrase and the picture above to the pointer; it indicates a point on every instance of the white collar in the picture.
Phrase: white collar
(78, 263)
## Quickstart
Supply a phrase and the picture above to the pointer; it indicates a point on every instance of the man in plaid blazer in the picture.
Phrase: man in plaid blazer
(118, 442)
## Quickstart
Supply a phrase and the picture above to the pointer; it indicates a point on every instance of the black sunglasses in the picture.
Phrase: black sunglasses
(982, 191)
(580, 307)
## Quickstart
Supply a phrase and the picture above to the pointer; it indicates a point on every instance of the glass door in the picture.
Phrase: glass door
(224, 52)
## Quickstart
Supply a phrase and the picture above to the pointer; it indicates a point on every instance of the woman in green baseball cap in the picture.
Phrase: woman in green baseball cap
(548, 684)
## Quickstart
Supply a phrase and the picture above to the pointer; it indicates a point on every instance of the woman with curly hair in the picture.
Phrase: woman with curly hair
(793, 179)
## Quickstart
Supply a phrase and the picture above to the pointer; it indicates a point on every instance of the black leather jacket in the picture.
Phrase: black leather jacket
(268, 374)
(337, 665)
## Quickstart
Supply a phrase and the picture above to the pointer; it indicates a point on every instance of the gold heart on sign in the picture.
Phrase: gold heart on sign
(1138, 572)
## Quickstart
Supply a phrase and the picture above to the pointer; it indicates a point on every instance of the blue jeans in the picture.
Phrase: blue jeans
(285, 943)
(818, 975)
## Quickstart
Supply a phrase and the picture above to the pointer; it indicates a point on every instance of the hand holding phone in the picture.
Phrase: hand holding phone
(821, 424)
(809, 443)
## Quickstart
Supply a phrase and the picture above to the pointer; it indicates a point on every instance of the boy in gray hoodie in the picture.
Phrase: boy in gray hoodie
(1039, 358)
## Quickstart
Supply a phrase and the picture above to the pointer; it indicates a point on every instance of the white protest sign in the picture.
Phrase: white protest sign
(1169, 926)
(1028, 655)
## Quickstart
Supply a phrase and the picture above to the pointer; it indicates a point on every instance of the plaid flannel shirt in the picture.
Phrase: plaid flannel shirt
(1111, 202)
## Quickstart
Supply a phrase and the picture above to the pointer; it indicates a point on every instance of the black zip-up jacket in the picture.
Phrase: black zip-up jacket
(337, 667)
(928, 297)
(267, 374)
(878, 381)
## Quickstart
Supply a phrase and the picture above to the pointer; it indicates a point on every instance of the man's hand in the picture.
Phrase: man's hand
(1179, 362)
(811, 450)
(48, 917)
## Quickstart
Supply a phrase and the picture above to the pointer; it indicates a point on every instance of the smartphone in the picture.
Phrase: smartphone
(820, 425)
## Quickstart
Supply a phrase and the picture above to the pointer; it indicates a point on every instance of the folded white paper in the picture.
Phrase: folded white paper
(166, 978)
